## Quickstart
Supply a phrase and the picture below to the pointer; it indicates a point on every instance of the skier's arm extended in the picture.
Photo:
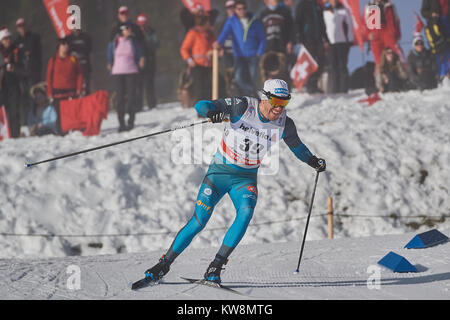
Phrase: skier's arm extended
(232, 107)
(300, 150)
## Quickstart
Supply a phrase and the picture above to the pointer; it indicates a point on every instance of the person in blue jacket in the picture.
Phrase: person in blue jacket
(249, 44)
(255, 125)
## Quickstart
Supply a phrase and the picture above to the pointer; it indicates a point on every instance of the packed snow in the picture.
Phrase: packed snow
(343, 268)
(387, 174)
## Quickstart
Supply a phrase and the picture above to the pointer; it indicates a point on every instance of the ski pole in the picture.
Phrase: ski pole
(28, 165)
(307, 222)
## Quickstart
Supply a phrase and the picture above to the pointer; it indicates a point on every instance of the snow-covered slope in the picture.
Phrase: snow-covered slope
(331, 269)
(390, 159)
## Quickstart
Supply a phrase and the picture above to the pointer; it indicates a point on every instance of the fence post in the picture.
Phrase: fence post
(215, 75)
(330, 218)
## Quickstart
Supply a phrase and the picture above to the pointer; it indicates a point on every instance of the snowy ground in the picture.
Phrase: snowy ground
(390, 159)
(331, 269)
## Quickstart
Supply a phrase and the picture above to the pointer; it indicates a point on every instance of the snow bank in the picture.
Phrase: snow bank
(390, 159)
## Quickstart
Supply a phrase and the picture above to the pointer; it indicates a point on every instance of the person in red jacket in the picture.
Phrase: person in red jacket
(64, 76)
(389, 34)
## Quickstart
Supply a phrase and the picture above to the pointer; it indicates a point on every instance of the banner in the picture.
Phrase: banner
(305, 67)
(358, 22)
(192, 5)
(57, 10)
(5, 132)
(85, 114)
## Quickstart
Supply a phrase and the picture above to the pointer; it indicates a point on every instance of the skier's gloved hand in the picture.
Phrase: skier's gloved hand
(216, 116)
(319, 164)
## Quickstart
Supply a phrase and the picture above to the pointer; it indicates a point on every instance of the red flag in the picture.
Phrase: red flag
(5, 132)
(358, 22)
(373, 98)
(57, 10)
(419, 25)
(305, 66)
(193, 5)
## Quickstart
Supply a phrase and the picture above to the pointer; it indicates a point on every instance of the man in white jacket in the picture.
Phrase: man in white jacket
(339, 27)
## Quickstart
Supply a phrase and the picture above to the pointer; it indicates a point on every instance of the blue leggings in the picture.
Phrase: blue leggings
(242, 189)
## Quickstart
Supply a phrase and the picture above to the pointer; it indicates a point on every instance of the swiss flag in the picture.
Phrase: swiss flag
(305, 66)
(193, 5)
(5, 132)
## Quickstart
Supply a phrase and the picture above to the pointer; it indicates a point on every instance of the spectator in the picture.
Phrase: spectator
(437, 11)
(42, 116)
(125, 58)
(389, 34)
(30, 57)
(123, 16)
(147, 75)
(437, 14)
(30, 51)
(196, 50)
(390, 75)
(422, 69)
(339, 26)
(80, 46)
(228, 56)
(278, 25)
(311, 33)
(249, 44)
(64, 76)
(10, 73)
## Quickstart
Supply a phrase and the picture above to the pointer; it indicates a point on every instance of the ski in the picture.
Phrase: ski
(143, 283)
(213, 285)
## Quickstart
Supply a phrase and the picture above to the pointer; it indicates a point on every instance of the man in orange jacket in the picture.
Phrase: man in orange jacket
(196, 50)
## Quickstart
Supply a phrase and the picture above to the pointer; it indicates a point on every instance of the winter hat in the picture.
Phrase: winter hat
(229, 4)
(197, 8)
(123, 9)
(4, 33)
(276, 87)
(142, 19)
(416, 38)
(20, 22)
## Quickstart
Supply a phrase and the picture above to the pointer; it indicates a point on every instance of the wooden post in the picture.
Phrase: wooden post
(330, 218)
(215, 75)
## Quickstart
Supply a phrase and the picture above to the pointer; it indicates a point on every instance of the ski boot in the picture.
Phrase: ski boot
(158, 271)
(212, 274)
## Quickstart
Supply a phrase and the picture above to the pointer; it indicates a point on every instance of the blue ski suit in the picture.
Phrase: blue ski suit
(225, 177)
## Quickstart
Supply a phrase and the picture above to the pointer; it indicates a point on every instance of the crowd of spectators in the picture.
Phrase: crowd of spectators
(254, 46)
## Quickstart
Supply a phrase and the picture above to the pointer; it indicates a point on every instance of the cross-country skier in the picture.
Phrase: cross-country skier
(255, 125)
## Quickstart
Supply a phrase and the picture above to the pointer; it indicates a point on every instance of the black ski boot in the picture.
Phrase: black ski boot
(213, 272)
(158, 271)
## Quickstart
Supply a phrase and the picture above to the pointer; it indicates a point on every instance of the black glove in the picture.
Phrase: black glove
(319, 164)
(216, 116)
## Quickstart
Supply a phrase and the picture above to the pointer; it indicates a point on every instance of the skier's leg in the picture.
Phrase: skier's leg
(244, 197)
(211, 191)
(209, 195)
